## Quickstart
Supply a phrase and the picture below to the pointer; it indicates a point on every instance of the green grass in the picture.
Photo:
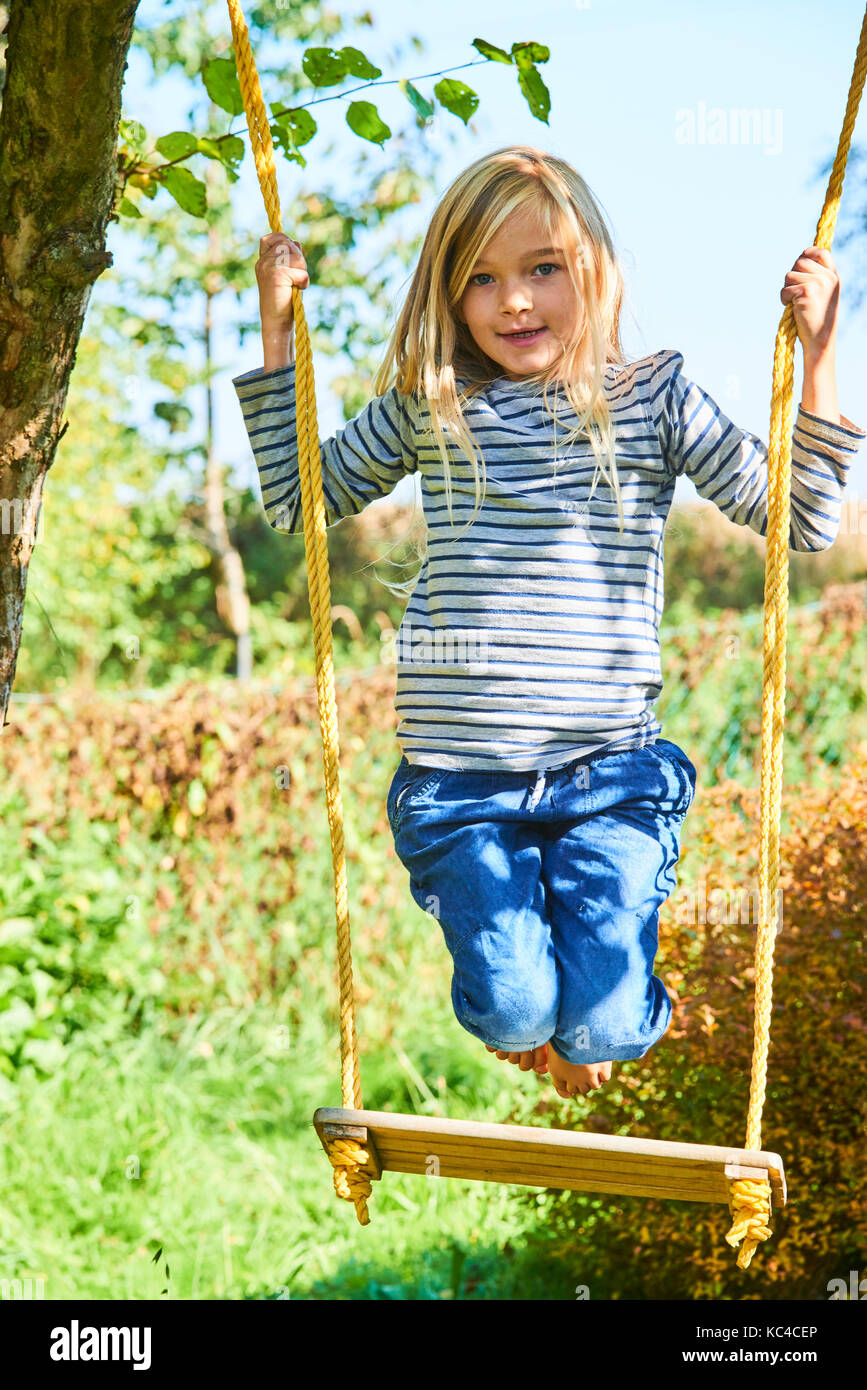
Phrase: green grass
(164, 1098)
(203, 1148)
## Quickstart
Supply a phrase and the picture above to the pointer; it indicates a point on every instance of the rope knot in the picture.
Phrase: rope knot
(751, 1216)
(350, 1182)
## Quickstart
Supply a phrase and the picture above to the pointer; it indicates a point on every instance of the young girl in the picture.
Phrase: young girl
(536, 807)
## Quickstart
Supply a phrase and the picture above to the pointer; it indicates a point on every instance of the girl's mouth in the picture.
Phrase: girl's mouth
(530, 337)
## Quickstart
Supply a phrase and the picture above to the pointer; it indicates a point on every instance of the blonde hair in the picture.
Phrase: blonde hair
(431, 347)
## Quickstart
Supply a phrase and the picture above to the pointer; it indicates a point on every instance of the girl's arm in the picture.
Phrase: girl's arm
(278, 346)
(363, 461)
(812, 287)
(729, 466)
(280, 268)
(819, 391)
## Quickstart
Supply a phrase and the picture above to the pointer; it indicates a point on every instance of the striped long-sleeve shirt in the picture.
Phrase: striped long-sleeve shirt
(533, 637)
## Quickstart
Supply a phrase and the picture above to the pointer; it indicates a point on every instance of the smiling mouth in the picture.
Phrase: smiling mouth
(524, 335)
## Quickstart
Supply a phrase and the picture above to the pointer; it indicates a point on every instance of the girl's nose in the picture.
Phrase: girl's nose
(515, 300)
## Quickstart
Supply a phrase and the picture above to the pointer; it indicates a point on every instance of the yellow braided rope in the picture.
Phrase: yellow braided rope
(751, 1200)
(319, 587)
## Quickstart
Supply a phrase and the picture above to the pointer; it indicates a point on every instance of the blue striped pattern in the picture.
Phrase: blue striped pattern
(533, 637)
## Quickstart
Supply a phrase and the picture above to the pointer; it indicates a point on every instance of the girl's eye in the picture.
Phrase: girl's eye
(542, 264)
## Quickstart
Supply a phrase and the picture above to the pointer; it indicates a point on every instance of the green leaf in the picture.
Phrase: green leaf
(526, 54)
(43, 986)
(357, 65)
(363, 118)
(537, 94)
(128, 209)
(490, 50)
(144, 182)
(177, 145)
(177, 417)
(229, 150)
(457, 98)
(324, 66)
(424, 107)
(299, 124)
(188, 191)
(197, 797)
(220, 77)
(294, 127)
(283, 141)
(133, 135)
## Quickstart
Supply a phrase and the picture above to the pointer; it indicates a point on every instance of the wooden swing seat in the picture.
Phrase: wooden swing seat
(535, 1157)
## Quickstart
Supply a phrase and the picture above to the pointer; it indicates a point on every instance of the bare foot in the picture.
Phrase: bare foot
(535, 1060)
(574, 1078)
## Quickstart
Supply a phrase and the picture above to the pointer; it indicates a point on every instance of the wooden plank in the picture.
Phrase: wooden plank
(708, 1185)
(389, 1122)
(567, 1159)
(566, 1162)
(562, 1161)
(613, 1186)
(428, 1130)
(607, 1161)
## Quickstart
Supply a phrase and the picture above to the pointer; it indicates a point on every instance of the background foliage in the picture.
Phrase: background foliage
(167, 991)
(166, 949)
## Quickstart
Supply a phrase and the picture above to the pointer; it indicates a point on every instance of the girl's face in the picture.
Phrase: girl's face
(519, 282)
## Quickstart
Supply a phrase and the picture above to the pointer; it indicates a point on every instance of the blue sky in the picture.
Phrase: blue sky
(706, 224)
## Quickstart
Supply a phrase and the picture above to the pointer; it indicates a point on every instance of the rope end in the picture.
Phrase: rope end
(750, 1206)
(348, 1158)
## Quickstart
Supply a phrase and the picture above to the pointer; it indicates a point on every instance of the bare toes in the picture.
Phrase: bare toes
(533, 1059)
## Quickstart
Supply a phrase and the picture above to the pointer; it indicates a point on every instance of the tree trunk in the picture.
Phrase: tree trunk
(58, 134)
(233, 603)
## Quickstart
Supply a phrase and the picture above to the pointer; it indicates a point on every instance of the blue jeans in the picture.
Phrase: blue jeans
(547, 886)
